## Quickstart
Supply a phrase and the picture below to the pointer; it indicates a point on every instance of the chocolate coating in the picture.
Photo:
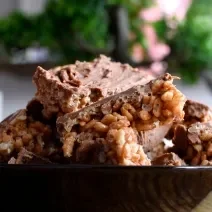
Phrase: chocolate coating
(71, 87)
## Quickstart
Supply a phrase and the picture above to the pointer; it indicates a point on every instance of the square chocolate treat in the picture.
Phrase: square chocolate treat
(69, 88)
(121, 128)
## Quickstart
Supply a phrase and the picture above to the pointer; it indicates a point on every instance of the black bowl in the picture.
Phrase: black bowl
(66, 188)
(103, 188)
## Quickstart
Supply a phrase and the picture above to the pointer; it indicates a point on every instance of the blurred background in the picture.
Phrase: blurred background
(155, 35)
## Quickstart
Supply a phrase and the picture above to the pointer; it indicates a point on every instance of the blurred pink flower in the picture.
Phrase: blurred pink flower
(151, 14)
(177, 8)
(158, 51)
(149, 34)
(137, 52)
(158, 68)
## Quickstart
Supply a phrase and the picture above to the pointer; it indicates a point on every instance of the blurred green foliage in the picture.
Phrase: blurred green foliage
(57, 27)
(134, 7)
(191, 45)
(63, 22)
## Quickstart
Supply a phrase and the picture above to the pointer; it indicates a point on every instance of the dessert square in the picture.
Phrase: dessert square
(120, 128)
(69, 88)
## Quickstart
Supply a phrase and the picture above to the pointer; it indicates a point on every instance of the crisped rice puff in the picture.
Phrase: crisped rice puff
(119, 129)
(20, 130)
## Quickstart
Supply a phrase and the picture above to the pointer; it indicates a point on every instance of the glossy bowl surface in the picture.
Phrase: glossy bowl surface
(66, 188)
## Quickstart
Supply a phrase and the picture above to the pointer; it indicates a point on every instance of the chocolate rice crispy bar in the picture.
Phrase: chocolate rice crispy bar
(197, 118)
(20, 130)
(104, 112)
(69, 88)
(157, 150)
(27, 157)
(194, 143)
(118, 129)
(194, 112)
(168, 159)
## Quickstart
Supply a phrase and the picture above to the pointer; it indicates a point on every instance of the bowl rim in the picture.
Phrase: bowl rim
(99, 167)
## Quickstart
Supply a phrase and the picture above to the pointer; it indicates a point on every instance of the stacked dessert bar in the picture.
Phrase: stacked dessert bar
(104, 112)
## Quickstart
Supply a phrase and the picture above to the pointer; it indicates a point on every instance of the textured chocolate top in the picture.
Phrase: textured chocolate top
(102, 74)
(195, 111)
(69, 88)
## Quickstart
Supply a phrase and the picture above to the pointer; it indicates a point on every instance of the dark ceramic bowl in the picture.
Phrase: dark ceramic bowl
(103, 188)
